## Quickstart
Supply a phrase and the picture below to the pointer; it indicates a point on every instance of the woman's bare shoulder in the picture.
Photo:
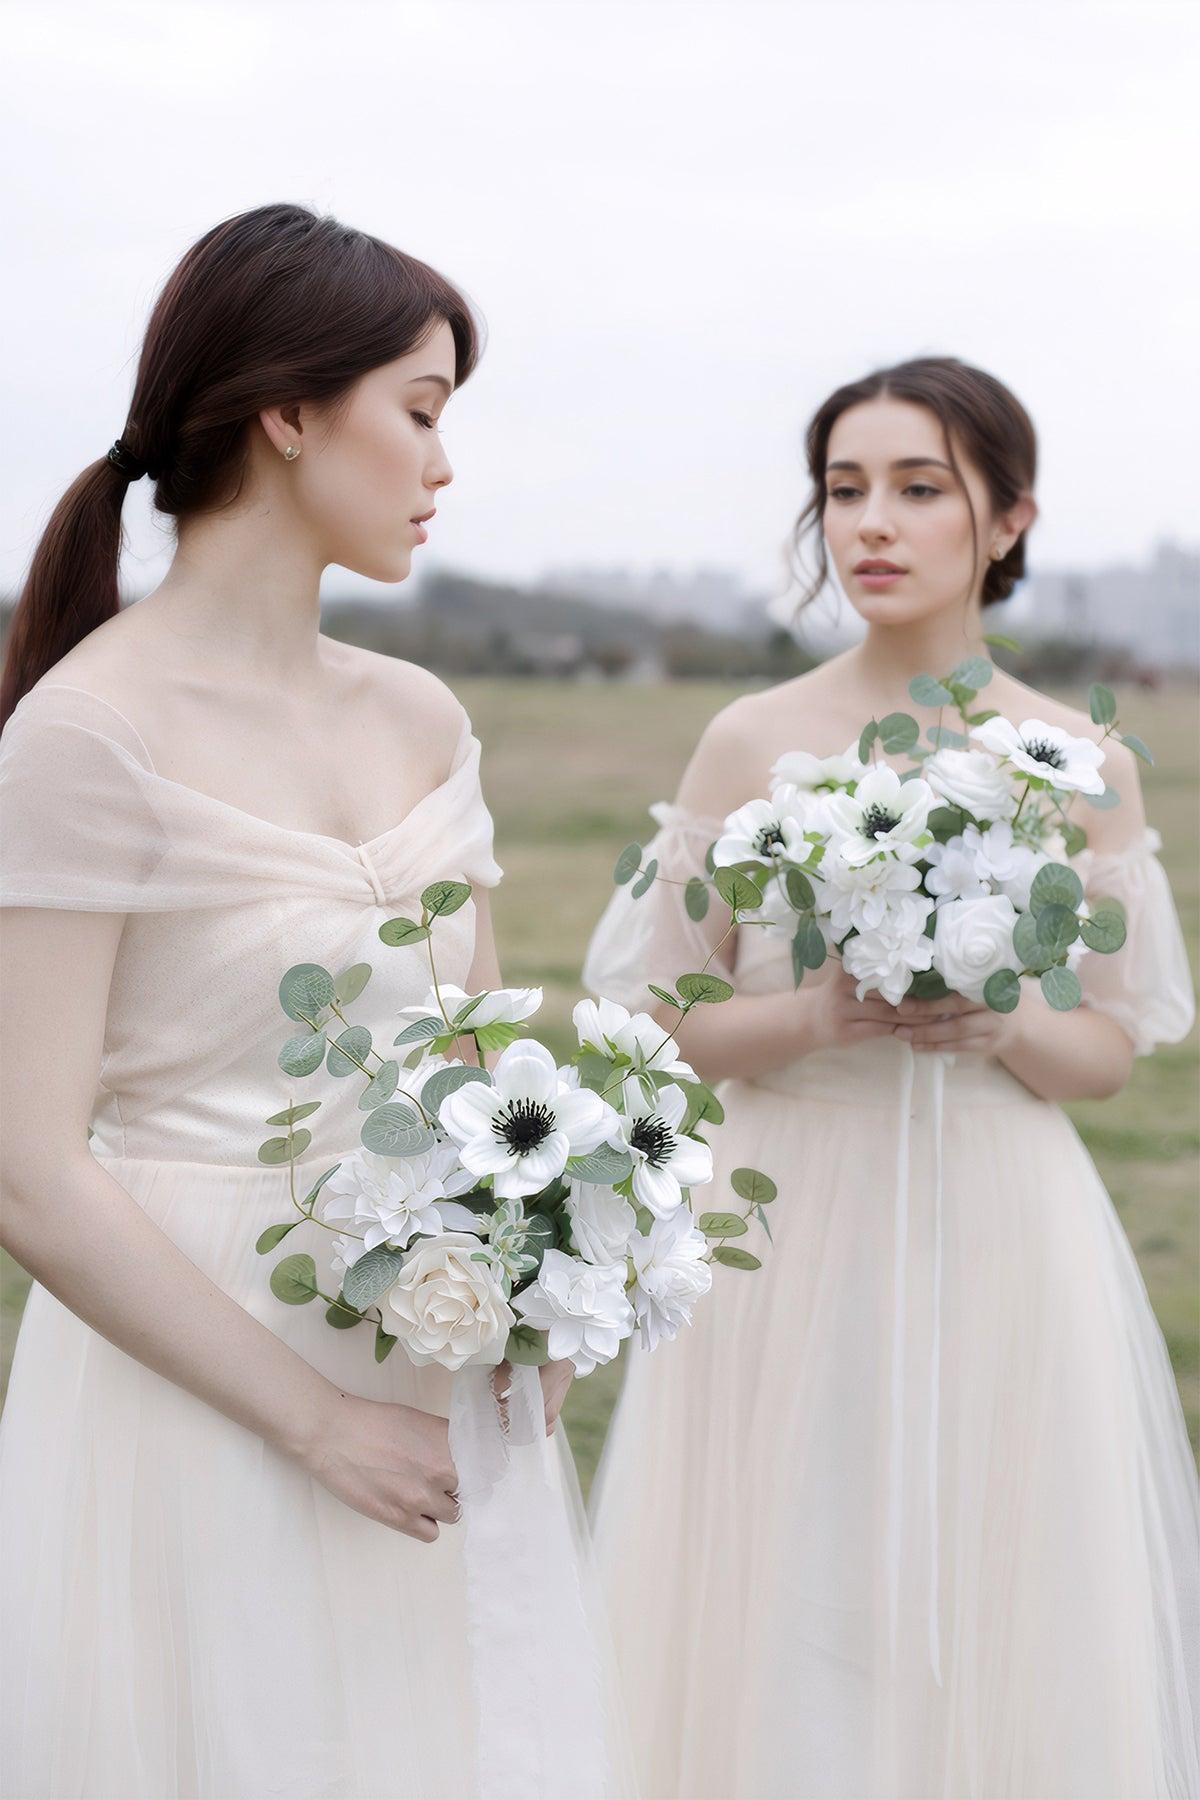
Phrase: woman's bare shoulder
(732, 761)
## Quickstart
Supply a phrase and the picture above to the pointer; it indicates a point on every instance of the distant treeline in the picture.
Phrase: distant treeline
(460, 625)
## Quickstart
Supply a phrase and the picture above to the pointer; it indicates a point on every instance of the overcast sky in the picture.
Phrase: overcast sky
(683, 224)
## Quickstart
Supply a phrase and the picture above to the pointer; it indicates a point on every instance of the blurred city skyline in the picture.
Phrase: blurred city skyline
(683, 225)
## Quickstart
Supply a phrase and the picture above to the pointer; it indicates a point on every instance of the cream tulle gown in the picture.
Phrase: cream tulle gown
(185, 1612)
(913, 1506)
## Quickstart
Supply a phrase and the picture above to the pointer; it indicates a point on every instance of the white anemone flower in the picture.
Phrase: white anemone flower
(665, 1160)
(883, 815)
(607, 1027)
(673, 1271)
(954, 872)
(581, 1306)
(799, 770)
(1046, 752)
(521, 1127)
(499, 1006)
(760, 832)
(391, 1200)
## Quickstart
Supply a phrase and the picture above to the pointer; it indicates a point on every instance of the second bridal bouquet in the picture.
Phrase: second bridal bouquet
(953, 876)
(529, 1210)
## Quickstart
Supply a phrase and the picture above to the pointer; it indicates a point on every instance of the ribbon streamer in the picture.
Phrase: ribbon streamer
(536, 1671)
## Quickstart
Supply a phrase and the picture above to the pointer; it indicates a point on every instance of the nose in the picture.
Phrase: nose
(439, 474)
(874, 524)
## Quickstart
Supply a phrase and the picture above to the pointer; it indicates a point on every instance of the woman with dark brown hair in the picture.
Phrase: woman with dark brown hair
(231, 1567)
(915, 1504)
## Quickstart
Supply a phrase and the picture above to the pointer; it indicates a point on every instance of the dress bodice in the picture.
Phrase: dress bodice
(218, 904)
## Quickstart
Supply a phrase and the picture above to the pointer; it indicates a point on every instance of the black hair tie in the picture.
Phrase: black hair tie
(121, 457)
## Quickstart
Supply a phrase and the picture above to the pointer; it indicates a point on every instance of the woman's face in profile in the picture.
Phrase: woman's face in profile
(369, 482)
(896, 518)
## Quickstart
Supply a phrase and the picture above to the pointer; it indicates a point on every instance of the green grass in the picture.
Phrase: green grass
(569, 771)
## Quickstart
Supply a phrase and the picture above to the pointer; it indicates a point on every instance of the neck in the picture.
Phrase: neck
(242, 598)
(890, 655)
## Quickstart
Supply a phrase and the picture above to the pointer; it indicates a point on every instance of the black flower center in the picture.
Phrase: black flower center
(523, 1125)
(769, 839)
(878, 821)
(1042, 752)
(654, 1138)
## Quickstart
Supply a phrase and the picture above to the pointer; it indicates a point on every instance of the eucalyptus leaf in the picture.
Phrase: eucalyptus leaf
(973, 672)
(722, 1224)
(497, 1036)
(927, 691)
(1055, 885)
(628, 864)
(348, 1050)
(275, 1234)
(372, 1275)
(695, 898)
(997, 641)
(1104, 931)
(981, 718)
(318, 1184)
(1002, 990)
(1102, 704)
(799, 890)
(754, 1186)
(604, 1166)
(381, 1086)
(420, 1031)
(1139, 749)
(1104, 802)
(444, 1082)
(945, 738)
(305, 990)
(303, 1054)
(351, 982)
(398, 932)
(396, 1130)
(737, 891)
(898, 732)
(294, 1280)
(292, 1115)
(702, 1105)
(866, 739)
(441, 898)
(284, 1149)
(710, 989)
(808, 946)
(733, 1258)
(526, 1347)
(645, 880)
(341, 1316)
(946, 822)
(1061, 988)
(385, 1343)
(1028, 946)
(1074, 837)
(661, 993)
(927, 984)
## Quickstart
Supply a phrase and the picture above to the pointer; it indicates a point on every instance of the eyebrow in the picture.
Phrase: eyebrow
(438, 380)
(905, 462)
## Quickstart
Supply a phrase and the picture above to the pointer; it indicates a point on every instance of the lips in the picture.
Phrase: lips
(873, 565)
(423, 518)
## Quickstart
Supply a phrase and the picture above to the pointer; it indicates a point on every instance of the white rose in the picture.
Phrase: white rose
(602, 1222)
(449, 1309)
(973, 940)
(973, 780)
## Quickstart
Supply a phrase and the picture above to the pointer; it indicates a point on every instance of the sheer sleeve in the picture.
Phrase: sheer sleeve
(78, 826)
(1146, 986)
(653, 939)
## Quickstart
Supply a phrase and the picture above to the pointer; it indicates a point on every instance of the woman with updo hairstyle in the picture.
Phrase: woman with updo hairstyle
(915, 1502)
(232, 1565)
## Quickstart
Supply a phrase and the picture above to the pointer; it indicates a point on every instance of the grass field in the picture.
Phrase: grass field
(569, 771)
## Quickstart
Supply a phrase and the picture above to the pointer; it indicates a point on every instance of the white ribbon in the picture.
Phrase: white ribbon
(895, 1513)
(536, 1673)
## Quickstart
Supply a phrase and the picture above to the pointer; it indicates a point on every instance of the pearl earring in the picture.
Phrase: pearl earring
(291, 452)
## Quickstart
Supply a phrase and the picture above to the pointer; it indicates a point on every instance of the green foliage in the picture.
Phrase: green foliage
(395, 1130)
(396, 933)
(628, 864)
(753, 1186)
(444, 1082)
(279, 1150)
(709, 990)
(733, 1258)
(1002, 990)
(603, 1165)
(351, 982)
(275, 1234)
(294, 1280)
(737, 891)
(372, 1275)
(1102, 704)
(898, 732)
(1104, 931)
(722, 1224)
(381, 1086)
(1055, 885)
(1061, 988)
(927, 691)
(695, 898)
(305, 990)
(1138, 747)
(441, 898)
(348, 1050)
(291, 1115)
(646, 880)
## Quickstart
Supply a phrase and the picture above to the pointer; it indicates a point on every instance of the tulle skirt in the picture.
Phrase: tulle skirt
(910, 1512)
(186, 1614)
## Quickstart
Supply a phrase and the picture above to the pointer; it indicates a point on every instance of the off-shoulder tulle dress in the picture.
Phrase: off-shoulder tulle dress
(915, 1502)
(186, 1614)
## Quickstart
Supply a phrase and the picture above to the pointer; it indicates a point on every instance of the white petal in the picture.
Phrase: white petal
(526, 1071)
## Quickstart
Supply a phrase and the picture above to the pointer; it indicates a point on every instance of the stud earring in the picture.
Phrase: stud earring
(998, 554)
(291, 452)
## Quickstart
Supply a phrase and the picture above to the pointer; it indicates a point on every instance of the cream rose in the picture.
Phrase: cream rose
(973, 940)
(449, 1309)
(973, 780)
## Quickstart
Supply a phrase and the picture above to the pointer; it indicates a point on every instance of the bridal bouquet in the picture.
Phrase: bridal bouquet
(952, 877)
(527, 1211)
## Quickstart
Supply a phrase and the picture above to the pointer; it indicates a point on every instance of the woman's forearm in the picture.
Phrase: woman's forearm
(745, 1036)
(1079, 1055)
(86, 1240)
